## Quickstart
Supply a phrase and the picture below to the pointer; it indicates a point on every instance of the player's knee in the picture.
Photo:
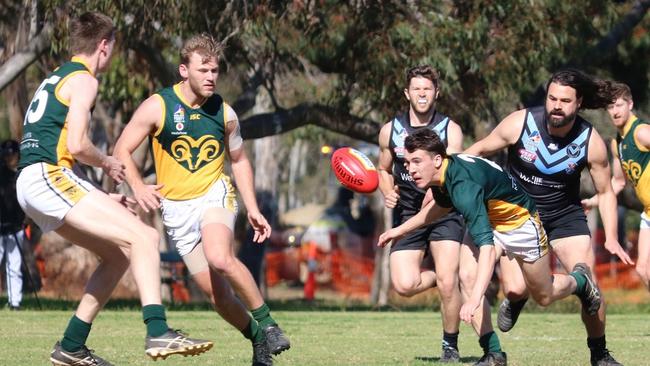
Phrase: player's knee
(447, 285)
(405, 287)
(514, 293)
(466, 278)
(543, 299)
(223, 264)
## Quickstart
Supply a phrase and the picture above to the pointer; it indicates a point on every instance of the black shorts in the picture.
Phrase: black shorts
(571, 223)
(449, 227)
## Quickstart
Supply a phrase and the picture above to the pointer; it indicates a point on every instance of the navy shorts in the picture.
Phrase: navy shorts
(571, 223)
(449, 227)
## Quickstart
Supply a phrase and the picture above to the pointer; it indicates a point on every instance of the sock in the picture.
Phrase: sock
(154, 318)
(252, 331)
(263, 316)
(490, 342)
(75, 335)
(597, 346)
(450, 340)
(581, 282)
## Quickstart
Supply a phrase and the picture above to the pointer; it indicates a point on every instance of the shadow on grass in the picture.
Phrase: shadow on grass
(567, 306)
(437, 359)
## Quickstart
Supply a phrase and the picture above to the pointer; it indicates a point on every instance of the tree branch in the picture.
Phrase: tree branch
(268, 124)
(17, 63)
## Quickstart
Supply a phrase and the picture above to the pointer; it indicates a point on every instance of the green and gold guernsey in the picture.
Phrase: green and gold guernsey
(487, 197)
(45, 129)
(634, 159)
(188, 147)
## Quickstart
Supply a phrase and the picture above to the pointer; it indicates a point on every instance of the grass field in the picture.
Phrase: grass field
(328, 338)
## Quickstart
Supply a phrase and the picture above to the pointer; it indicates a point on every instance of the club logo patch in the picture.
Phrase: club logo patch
(179, 117)
(195, 154)
(533, 140)
(573, 150)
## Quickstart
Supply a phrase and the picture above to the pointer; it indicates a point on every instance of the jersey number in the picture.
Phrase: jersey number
(40, 101)
(470, 158)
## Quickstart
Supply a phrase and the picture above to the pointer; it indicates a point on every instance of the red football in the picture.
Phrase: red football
(354, 170)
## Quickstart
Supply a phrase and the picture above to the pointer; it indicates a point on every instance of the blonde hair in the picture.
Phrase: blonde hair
(620, 90)
(204, 45)
(87, 30)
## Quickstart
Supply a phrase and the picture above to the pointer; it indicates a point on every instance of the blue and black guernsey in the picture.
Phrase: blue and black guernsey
(487, 197)
(410, 195)
(548, 167)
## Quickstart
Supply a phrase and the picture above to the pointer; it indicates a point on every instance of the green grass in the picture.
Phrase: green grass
(327, 338)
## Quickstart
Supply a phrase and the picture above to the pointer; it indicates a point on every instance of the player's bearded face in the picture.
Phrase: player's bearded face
(421, 94)
(202, 74)
(421, 167)
(561, 105)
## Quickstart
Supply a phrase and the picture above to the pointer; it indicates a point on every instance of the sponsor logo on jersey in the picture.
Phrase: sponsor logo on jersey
(406, 177)
(533, 140)
(527, 156)
(195, 117)
(552, 146)
(538, 181)
(573, 150)
(179, 117)
(571, 167)
(399, 143)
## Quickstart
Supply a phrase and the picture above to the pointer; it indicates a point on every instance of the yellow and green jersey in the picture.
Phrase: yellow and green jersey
(188, 147)
(45, 128)
(634, 159)
(487, 197)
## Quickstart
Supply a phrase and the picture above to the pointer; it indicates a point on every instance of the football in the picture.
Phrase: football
(354, 170)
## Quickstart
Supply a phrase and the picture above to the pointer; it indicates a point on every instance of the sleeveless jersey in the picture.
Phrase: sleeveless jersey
(188, 148)
(486, 196)
(548, 167)
(410, 195)
(634, 159)
(45, 128)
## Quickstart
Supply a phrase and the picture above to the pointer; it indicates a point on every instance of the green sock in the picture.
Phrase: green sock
(581, 282)
(490, 342)
(252, 331)
(263, 316)
(154, 318)
(75, 335)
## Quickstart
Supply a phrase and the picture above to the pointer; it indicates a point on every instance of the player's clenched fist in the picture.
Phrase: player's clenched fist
(391, 197)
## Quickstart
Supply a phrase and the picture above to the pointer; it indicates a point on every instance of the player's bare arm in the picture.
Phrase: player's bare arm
(642, 136)
(618, 179)
(486, 261)
(78, 121)
(243, 174)
(385, 168)
(600, 174)
(428, 214)
(146, 120)
(454, 138)
(504, 134)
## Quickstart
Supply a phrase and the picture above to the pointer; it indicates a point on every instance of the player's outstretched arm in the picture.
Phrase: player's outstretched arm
(599, 170)
(504, 134)
(145, 120)
(486, 260)
(385, 168)
(243, 174)
(427, 215)
(81, 90)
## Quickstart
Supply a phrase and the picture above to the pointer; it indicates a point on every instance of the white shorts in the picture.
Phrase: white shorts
(528, 242)
(47, 192)
(183, 220)
(645, 221)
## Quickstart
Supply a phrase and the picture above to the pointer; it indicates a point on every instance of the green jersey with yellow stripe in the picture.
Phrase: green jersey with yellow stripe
(634, 158)
(45, 128)
(487, 197)
(188, 147)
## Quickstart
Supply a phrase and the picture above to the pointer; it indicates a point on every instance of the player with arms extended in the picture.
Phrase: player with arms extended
(443, 237)
(548, 147)
(631, 151)
(192, 131)
(497, 211)
(55, 136)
